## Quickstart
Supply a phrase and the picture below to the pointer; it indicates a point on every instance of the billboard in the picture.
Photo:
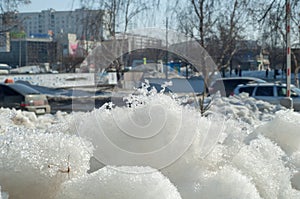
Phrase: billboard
(4, 42)
(73, 44)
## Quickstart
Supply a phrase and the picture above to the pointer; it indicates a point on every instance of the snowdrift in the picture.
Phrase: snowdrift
(241, 148)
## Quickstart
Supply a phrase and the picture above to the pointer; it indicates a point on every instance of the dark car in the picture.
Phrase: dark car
(227, 85)
(20, 96)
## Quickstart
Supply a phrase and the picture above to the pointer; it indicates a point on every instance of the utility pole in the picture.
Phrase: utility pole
(288, 101)
(167, 26)
(20, 52)
(288, 44)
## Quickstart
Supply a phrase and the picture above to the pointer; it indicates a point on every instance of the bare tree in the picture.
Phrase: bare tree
(132, 9)
(8, 11)
(119, 13)
(113, 8)
(92, 24)
(272, 17)
(110, 8)
(11, 5)
(202, 19)
(217, 25)
(230, 26)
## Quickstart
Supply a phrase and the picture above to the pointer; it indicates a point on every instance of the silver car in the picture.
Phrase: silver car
(227, 85)
(273, 93)
(20, 96)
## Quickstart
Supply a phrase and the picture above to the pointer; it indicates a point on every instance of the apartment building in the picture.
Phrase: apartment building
(86, 24)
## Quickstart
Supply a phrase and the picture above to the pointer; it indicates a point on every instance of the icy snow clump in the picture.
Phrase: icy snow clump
(120, 183)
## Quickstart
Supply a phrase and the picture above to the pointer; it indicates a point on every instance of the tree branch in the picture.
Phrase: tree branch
(267, 11)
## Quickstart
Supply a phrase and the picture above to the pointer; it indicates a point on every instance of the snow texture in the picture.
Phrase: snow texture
(242, 148)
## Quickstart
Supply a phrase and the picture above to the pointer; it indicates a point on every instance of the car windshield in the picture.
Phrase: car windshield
(23, 89)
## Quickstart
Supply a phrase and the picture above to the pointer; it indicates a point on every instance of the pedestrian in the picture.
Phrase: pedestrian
(267, 72)
(239, 70)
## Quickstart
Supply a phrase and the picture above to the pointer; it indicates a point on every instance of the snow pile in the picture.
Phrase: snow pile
(244, 108)
(205, 166)
(60, 122)
(119, 183)
(42, 153)
(284, 131)
(224, 139)
(228, 182)
(269, 174)
(152, 131)
(33, 162)
(240, 149)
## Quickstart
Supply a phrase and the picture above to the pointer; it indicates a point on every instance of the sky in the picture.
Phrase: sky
(58, 5)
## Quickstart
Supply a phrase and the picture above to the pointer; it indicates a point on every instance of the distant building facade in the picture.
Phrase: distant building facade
(135, 47)
(30, 51)
(250, 56)
(86, 24)
(50, 36)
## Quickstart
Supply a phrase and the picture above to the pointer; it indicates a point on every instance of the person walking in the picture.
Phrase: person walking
(267, 72)
(239, 70)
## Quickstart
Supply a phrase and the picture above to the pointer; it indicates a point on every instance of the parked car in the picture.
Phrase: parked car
(270, 92)
(227, 85)
(4, 69)
(20, 96)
